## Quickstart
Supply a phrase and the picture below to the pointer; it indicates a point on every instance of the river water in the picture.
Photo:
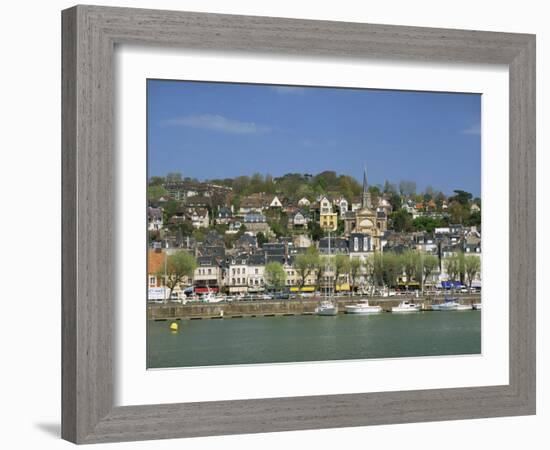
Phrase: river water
(253, 340)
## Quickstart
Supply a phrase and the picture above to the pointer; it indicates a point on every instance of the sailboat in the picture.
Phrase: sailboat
(450, 304)
(328, 307)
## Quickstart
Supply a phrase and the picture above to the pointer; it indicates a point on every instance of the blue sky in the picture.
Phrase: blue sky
(219, 130)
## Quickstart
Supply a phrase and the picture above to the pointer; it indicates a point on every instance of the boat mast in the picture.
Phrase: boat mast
(329, 265)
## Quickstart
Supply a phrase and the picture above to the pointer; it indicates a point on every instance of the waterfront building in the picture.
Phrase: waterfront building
(208, 275)
(255, 272)
(237, 278)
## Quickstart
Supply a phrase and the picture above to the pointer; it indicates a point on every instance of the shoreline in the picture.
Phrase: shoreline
(277, 308)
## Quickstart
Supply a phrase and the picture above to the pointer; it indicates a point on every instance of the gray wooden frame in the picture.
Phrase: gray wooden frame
(89, 36)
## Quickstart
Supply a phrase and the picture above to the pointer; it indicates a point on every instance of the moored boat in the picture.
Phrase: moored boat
(477, 306)
(327, 308)
(406, 306)
(450, 304)
(460, 307)
(362, 308)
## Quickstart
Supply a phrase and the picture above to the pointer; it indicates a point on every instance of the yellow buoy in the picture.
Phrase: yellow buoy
(174, 326)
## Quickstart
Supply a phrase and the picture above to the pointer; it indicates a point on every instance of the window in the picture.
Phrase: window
(152, 281)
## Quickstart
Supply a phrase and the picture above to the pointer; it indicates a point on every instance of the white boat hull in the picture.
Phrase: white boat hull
(362, 309)
(405, 310)
(406, 307)
(464, 308)
(445, 307)
(477, 306)
(327, 311)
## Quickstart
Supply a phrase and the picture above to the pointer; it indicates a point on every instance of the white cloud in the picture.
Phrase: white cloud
(474, 129)
(219, 123)
(289, 90)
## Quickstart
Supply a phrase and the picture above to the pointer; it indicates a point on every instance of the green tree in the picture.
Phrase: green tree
(461, 197)
(278, 229)
(261, 238)
(368, 269)
(426, 223)
(355, 266)
(340, 265)
(401, 220)
(474, 219)
(455, 267)
(156, 181)
(173, 177)
(389, 188)
(378, 269)
(395, 201)
(459, 213)
(315, 231)
(410, 261)
(407, 188)
(275, 275)
(392, 268)
(319, 271)
(305, 264)
(179, 266)
(429, 265)
(169, 210)
(472, 266)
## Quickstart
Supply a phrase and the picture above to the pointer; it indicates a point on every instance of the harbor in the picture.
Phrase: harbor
(291, 307)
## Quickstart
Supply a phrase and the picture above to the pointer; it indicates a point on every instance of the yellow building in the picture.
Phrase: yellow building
(328, 219)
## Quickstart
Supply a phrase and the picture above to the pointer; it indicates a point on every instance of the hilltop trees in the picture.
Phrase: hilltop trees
(401, 220)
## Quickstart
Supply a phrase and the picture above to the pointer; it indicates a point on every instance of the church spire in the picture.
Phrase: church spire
(365, 196)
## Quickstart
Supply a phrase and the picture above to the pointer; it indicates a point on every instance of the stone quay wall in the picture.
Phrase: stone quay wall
(266, 308)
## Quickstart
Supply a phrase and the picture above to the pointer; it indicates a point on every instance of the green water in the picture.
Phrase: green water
(210, 342)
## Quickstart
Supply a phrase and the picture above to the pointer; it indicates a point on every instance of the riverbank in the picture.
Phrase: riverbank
(269, 308)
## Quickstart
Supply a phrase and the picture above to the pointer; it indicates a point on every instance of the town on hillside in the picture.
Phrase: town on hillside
(261, 237)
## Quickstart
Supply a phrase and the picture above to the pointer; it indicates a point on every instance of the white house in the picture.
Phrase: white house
(275, 202)
(154, 219)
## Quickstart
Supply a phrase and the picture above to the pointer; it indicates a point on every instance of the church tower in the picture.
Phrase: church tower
(365, 196)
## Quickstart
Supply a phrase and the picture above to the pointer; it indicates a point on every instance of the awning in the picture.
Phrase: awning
(205, 290)
(304, 289)
(451, 284)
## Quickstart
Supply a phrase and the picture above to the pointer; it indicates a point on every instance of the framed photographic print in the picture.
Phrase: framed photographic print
(278, 224)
